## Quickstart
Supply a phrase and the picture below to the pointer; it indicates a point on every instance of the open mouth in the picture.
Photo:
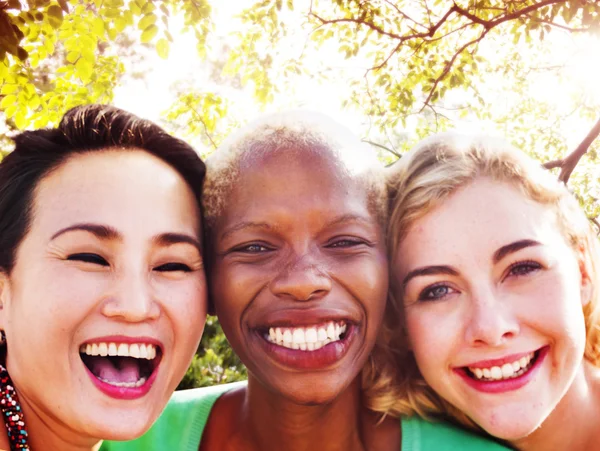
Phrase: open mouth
(509, 370)
(125, 365)
(308, 338)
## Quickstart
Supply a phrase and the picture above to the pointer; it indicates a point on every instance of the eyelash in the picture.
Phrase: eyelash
(96, 259)
(172, 267)
(246, 248)
(531, 265)
(431, 288)
(88, 258)
(345, 243)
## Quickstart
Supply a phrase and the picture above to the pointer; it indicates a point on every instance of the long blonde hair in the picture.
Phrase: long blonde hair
(419, 182)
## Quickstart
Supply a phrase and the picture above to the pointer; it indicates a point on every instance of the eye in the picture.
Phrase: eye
(88, 258)
(252, 248)
(341, 243)
(171, 267)
(436, 292)
(523, 268)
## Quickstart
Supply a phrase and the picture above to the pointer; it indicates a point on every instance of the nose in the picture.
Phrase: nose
(491, 321)
(132, 300)
(303, 279)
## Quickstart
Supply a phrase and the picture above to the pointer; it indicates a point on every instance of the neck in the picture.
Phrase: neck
(273, 422)
(47, 432)
(573, 424)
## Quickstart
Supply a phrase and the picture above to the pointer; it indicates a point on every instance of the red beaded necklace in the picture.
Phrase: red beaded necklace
(12, 413)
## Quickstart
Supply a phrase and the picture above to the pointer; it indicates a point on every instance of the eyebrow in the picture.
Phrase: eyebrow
(102, 232)
(246, 225)
(429, 271)
(167, 239)
(512, 248)
(351, 218)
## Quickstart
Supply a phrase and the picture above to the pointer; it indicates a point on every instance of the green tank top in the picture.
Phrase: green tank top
(180, 428)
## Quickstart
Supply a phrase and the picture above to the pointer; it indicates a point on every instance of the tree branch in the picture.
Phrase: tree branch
(449, 65)
(568, 164)
(381, 146)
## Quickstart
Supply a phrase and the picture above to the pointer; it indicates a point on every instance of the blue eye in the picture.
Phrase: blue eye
(88, 258)
(171, 267)
(435, 292)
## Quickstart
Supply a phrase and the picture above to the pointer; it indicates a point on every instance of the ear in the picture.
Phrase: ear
(587, 286)
(5, 295)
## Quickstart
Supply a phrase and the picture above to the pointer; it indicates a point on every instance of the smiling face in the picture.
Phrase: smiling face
(493, 306)
(299, 274)
(105, 305)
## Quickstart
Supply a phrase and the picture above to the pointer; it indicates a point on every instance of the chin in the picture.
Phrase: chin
(122, 428)
(510, 429)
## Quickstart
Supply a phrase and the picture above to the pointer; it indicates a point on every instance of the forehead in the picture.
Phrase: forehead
(476, 220)
(125, 188)
(292, 180)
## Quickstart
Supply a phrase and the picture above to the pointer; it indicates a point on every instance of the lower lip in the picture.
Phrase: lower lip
(507, 385)
(318, 359)
(123, 392)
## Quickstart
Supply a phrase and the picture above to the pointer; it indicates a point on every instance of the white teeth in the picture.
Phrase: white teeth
(331, 331)
(506, 371)
(321, 334)
(135, 350)
(306, 338)
(298, 336)
(311, 335)
(141, 381)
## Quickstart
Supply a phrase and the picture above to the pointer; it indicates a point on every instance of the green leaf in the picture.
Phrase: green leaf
(8, 101)
(146, 21)
(9, 89)
(162, 48)
(84, 69)
(55, 16)
(149, 33)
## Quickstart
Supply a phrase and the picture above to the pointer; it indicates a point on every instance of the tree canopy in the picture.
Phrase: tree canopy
(524, 68)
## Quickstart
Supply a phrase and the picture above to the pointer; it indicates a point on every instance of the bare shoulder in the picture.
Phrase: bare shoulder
(224, 420)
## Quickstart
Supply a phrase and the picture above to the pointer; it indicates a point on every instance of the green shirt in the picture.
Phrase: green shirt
(180, 428)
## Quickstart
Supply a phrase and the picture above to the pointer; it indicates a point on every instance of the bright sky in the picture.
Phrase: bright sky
(153, 95)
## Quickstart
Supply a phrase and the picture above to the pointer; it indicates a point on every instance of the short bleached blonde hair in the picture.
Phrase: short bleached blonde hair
(422, 180)
(298, 131)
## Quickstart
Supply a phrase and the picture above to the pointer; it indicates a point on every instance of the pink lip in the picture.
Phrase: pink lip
(125, 392)
(304, 317)
(507, 385)
(310, 360)
(498, 362)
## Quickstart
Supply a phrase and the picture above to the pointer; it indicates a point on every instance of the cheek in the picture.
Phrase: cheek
(429, 338)
(185, 301)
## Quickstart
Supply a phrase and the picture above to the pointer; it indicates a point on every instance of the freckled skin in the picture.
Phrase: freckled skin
(527, 300)
(53, 303)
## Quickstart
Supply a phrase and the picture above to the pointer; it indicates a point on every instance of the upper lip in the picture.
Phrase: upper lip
(304, 317)
(500, 361)
(124, 339)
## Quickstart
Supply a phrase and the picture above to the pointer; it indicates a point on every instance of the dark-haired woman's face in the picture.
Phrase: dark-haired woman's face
(300, 275)
(106, 303)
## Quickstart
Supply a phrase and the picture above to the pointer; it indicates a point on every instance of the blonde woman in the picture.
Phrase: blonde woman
(494, 275)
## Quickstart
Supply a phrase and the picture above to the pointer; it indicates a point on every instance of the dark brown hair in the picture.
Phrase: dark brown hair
(89, 128)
